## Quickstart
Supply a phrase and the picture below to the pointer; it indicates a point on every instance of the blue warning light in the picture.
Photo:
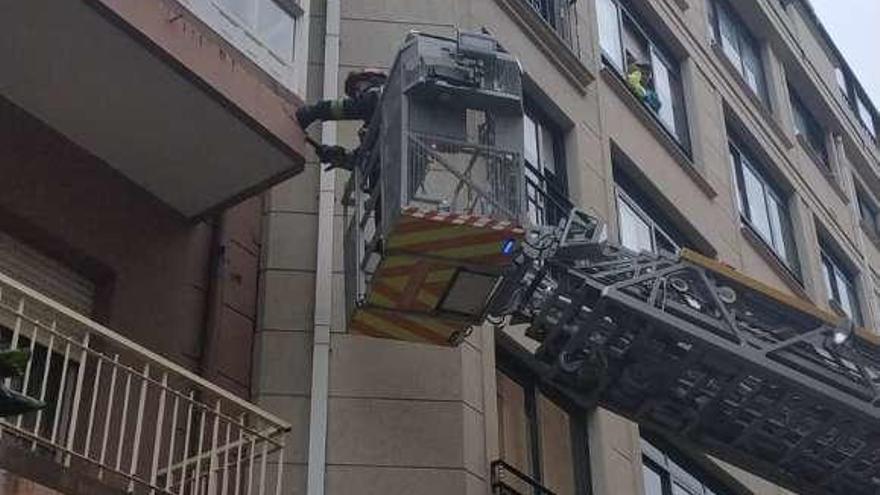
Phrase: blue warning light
(508, 246)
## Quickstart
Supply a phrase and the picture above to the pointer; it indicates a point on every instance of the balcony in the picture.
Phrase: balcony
(507, 480)
(150, 91)
(553, 26)
(125, 418)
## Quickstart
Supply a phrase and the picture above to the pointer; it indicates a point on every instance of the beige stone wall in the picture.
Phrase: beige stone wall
(415, 419)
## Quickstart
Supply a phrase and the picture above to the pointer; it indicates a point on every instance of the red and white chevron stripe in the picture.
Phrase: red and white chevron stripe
(459, 219)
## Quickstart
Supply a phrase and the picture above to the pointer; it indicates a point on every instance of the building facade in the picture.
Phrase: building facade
(187, 323)
(762, 154)
(137, 140)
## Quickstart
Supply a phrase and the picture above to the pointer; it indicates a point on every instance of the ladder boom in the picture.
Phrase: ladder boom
(709, 357)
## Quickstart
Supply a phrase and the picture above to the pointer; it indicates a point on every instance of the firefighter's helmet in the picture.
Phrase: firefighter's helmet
(357, 81)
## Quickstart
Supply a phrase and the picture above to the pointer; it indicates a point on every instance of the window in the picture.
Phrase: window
(866, 116)
(638, 231)
(546, 195)
(867, 211)
(609, 31)
(555, 13)
(740, 47)
(266, 20)
(842, 83)
(539, 437)
(858, 102)
(763, 208)
(665, 475)
(840, 284)
(265, 31)
(810, 133)
(626, 43)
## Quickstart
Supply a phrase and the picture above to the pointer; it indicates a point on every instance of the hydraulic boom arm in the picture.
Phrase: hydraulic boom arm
(711, 358)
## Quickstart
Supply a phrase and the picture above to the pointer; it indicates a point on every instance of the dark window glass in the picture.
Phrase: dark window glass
(556, 14)
(740, 47)
(868, 211)
(539, 437)
(809, 131)
(858, 102)
(649, 71)
(546, 192)
(841, 287)
(763, 207)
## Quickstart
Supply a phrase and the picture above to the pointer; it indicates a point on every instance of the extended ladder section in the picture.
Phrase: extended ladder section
(710, 358)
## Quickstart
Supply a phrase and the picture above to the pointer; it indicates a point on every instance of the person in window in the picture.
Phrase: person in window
(639, 78)
(363, 90)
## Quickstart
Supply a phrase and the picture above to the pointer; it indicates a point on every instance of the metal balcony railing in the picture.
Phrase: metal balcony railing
(560, 15)
(546, 201)
(127, 416)
(507, 480)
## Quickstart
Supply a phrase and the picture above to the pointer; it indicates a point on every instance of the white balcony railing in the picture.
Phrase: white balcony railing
(127, 416)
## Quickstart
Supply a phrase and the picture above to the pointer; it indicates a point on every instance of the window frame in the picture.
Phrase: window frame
(864, 201)
(545, 187)
(859, 103)
(621, 196)
(533, 388)
(831, 264)
(679, 129)
(813, 131)
(553, 13)
(744, 35)
(232, 29)
(675, 469)
(789, 257)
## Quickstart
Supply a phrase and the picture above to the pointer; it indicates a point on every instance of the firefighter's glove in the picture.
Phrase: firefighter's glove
(335, 156)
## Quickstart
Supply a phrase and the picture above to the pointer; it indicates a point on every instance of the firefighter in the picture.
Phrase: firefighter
(362, 92)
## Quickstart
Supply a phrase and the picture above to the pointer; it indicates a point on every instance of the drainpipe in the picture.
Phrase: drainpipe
(323, 273)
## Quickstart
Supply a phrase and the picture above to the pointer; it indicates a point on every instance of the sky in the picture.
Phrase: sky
(855, 27)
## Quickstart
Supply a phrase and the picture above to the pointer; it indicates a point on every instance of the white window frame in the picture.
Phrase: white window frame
(744, 40)
(784, 247)
(290, 74)
(621, 197)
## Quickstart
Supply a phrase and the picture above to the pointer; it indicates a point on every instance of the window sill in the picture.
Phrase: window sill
(762, 107)
(823, 168)
(650, 120)
(553, 46)
(779, 266)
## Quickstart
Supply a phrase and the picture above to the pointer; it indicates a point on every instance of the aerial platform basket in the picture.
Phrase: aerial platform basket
(436, 202)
